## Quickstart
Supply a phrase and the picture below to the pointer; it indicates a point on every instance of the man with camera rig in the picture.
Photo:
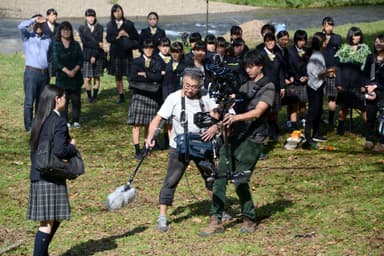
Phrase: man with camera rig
(182, 106)
(244, 133)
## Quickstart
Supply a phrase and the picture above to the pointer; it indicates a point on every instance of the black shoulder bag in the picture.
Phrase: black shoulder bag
(53, 167)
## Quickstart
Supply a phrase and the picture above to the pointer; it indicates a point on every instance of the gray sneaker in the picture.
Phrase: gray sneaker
(162, 225)
(226, 217)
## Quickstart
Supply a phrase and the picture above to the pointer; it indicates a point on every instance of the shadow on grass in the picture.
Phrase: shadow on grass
(197, 208)
(92, 247)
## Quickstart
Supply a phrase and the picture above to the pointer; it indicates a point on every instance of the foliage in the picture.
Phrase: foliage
(348, 54)
(308, 202)
(303, 3)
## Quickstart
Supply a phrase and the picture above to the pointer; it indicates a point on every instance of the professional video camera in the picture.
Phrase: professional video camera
(225, 80)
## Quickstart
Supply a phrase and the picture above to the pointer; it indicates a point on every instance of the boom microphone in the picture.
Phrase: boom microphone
(125, 194)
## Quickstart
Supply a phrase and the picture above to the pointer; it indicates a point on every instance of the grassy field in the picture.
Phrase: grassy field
(308, 202)
(302, 3)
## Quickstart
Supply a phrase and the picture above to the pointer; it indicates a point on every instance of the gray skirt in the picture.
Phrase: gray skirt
(91, 71)
(48, 201)
(142, 110)
(119, 66)
(330, 87)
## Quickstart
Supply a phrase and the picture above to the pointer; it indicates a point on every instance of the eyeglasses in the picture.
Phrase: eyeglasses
(191, 87)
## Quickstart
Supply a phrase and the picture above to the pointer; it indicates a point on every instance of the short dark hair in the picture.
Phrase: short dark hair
(90, 12)
(282, 33)
(153, 13)
(268, 27)
(64, 25)
(254, 57)
(221, 42)
(177, 47)
(51, 11)
(300, 35)
(164, 41)
(328, 20)
(148, 43)
(317, 41)
(238, 41)
(210, 39)
(236, 30)
(200, 46)
(194, 73)
(194, 37)
(354, 31)
(269, 37)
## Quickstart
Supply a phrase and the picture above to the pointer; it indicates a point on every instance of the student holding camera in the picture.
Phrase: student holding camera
(182, 115)
(247, 131)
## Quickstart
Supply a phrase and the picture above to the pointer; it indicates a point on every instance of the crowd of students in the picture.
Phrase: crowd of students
(348, 74)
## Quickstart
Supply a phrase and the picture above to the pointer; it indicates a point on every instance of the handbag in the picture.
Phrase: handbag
(192, 144)
(148, 87)
(53, 167)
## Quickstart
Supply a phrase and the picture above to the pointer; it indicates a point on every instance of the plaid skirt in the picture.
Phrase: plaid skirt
(90, 70)
(330, 87)
(48, 201)
(118, 66)
(142, 110)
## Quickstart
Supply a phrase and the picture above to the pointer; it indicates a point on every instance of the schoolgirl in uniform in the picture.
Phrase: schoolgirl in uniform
(199, 60)
(123, 38)
(193, 39)
(273, 69)
(48, 197)
(298, 59)
(333, 43)
(172, 79)
(163, 48)
(144, 106)
(152, 32)
(50, 28)
(351, 57)
(374, 92)
(91, 35)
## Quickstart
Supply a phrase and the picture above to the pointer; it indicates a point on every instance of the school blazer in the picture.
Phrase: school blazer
(123, 46)
(91, 40)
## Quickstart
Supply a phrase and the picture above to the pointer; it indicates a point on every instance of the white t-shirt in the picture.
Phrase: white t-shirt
(172, 108)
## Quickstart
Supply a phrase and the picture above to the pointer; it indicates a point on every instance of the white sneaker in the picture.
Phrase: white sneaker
(68, 125)
(76, 125)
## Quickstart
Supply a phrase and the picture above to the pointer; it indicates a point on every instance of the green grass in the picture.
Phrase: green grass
(303, 3)
(337, 194)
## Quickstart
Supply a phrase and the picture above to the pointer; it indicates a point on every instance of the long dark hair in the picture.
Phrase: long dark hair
(354, 31)
(64, 25)
(47, 103)
(114, 8)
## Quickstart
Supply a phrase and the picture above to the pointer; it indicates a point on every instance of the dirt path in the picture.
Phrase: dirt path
(76, 8)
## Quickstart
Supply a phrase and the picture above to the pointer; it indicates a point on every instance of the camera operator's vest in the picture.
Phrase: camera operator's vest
(256, 130)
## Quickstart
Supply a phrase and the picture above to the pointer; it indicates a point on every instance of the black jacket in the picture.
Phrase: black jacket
(146, 34)
(91, 40)
(61, 146)
(172, 78)
(123, 46)
(298, 64)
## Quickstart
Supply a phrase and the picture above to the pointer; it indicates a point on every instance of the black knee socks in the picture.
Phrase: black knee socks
(95, 91)
(41, 243)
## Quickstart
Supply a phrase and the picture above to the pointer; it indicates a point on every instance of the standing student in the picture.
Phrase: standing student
(163, 47)
(235, 33)
(317, 71)
(349, 83)
(50, 29)
(48, 198)
(68, 60)
(298, 59)
(333, 43)
(374, 94)
(273, 69)
(91, 35)
(152, 32)
(145, 69)
(194, 38)
(266, 28)
(36, 46)
(123, 38)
